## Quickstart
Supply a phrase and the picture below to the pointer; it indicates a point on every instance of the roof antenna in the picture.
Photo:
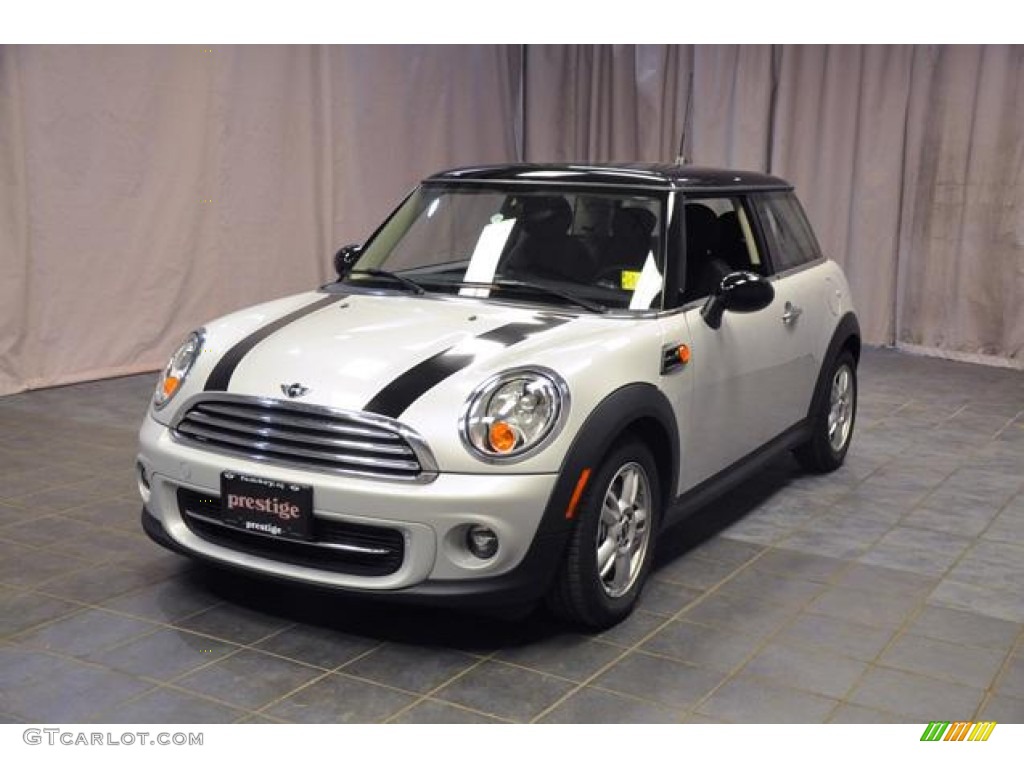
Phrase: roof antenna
(687, 117)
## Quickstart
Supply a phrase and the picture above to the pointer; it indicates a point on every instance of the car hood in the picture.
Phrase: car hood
(417, 359)
(370, 352)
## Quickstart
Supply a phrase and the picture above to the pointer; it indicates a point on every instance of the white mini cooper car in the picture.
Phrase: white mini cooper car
(524, 375)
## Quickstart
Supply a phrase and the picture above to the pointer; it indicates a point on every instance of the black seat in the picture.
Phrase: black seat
(704, 270)
(732, 244)
(630, 242)
(545, 247)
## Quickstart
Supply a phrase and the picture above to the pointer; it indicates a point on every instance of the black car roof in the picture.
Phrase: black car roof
(655, 175)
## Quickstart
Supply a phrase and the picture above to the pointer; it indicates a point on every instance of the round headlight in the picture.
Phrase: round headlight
(177, 369)
(512, 414)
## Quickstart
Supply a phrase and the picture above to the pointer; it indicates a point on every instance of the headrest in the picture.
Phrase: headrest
(700, 216)
(546, 215)
(701, 231)
(638, 222)
(729, 224)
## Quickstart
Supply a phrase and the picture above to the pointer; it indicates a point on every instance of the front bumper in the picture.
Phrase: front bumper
(525, 583)
(431, 518)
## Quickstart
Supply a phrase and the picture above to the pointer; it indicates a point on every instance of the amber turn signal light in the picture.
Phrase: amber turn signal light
(502, 437)
(171, 385)
(683, 353)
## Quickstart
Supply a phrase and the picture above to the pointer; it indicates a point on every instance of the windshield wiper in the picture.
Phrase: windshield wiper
(412, 285)
(522, 285)
(593, 306)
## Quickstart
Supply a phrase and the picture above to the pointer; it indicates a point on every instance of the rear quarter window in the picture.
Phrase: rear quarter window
(790, 238)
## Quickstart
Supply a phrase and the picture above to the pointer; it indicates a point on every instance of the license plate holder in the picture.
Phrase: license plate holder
(268, 507)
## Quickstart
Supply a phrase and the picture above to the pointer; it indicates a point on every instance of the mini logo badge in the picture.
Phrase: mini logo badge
(294, 390)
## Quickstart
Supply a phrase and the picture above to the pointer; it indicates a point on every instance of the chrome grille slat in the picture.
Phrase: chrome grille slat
(354, 548)
(294, 419)
(391, 449)
(304, 436)
(266, 447)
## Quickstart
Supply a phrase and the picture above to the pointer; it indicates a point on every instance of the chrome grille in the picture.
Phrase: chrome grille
(308, 437)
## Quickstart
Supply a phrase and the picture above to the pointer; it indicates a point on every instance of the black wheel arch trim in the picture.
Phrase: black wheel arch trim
(847, 329)
(633, 406)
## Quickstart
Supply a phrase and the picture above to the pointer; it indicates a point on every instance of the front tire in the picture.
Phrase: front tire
(832, 423)
(611, 547)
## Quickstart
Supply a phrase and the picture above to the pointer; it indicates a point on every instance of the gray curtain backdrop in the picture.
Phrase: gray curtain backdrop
(145, 189)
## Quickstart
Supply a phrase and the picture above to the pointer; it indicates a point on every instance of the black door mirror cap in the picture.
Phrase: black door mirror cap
(345, 259)
(741, 292)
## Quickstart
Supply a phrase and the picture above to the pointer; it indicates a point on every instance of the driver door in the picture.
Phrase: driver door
(743, 374)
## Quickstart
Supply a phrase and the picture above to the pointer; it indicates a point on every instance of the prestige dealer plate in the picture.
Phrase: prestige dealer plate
(265, 506)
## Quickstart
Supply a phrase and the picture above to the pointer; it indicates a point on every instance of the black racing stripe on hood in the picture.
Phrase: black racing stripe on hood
(410, 386)
(397, 396)
(513, 333)
(220, 376)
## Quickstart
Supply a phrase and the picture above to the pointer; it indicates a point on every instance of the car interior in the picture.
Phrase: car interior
(717, 243)
(588, 239)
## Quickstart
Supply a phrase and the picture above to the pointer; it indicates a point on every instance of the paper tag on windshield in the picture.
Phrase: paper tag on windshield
(484, 261)
(629, 279)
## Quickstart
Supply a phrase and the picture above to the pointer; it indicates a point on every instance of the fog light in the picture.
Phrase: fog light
(482, 542)
(143, 478)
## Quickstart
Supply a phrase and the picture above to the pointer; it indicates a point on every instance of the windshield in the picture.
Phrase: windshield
(599, 250)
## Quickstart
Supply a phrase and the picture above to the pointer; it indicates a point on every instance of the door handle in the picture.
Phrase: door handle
(791, 313)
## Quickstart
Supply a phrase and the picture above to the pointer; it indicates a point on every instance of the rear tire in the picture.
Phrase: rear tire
(832, 423)
(611, 546)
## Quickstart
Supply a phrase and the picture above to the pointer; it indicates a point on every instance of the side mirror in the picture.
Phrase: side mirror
(345, 259)
(738, 292)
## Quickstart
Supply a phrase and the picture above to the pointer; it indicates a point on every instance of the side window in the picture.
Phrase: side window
(789, 234)
(719, 240)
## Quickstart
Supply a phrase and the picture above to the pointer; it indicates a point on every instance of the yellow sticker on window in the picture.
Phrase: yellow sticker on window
(629, 279)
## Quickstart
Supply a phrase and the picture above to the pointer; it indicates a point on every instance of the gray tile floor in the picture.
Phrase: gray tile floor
(892, 590)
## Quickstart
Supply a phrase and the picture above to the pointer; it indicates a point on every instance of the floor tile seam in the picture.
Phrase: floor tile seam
(423, 696)
(11, 637)
(803, 528)
(1008, 424)
(768, 640)
(456, 705)
(735, 673)
(172, 624)
(104, 527)
(893, 667)
(249, 715)
(876, 662)
(919, 606)
(256, 647)
(650, 634)
(173, 684)
(82, 608)
(152, 684)
(174, 679)
(1016, 651)
(264, 709)
(537, 671)
(953, 566)
(169, 685)
(52, 512)
(41, 589)
(111, 560)
(676, 709)
(774, 682)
